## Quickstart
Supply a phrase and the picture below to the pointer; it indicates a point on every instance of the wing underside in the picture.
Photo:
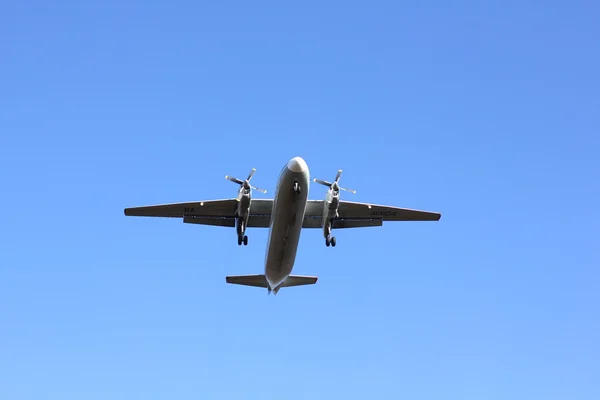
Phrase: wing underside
(355, 210)
(211, 208)
(362, 215)
(223, 213)
(211, 212)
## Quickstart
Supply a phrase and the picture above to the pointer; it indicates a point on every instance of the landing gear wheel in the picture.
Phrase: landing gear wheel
(297, 188)
(245, 240)
(239, 240)
(333, 241)
(327, 241)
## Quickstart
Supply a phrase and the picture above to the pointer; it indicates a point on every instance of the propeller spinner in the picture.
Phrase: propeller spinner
(246, 183)
(334, 185)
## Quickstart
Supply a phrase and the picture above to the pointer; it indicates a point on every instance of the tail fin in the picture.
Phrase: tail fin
(261, 281)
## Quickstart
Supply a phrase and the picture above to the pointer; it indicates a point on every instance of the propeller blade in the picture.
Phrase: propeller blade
(235, 180)
(337, 177)
(245, 183)
(335, 184)
(259, 189)
(322, 182)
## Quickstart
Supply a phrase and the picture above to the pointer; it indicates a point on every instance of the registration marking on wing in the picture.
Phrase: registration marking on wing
(383, 213)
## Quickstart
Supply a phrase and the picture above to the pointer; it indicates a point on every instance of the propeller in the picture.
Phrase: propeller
(245, 183)
(334, 185)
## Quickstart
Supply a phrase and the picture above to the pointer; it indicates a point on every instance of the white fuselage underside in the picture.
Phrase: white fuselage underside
(287, 217)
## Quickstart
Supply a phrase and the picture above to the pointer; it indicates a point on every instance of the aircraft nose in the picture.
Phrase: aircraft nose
(297, 164)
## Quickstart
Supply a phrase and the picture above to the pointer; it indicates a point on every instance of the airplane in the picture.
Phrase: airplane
(285, 216)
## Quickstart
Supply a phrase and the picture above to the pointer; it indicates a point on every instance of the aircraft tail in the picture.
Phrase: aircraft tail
(248, 280)
(261, 281)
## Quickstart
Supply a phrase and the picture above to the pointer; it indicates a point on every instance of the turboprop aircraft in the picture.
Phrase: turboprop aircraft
(285, 215)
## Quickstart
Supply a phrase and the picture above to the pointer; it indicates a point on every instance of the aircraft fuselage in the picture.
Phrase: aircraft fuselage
(287, 216)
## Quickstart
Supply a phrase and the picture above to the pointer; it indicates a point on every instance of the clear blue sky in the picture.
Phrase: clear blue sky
(486, 113)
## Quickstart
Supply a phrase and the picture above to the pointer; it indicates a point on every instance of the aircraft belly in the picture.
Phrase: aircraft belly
(286, 225)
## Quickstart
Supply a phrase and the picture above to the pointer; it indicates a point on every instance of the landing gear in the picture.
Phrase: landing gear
(330, 240)
(243, 239)
(297, 188)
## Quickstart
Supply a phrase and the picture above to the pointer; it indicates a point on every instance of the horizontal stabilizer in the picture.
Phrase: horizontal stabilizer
(261, 281)
(296, 280)
(248, 280)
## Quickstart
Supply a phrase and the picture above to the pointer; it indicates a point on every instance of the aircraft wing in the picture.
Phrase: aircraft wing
(362, 215)
(210, 212)
(222, 213)
(354, 210)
